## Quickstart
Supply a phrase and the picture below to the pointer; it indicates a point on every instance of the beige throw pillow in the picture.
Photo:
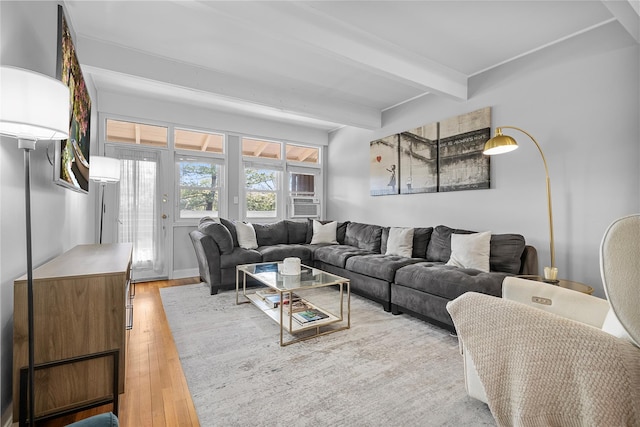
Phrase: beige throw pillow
(324, 233)
(471, 250)
(400, 242)
(246, 235)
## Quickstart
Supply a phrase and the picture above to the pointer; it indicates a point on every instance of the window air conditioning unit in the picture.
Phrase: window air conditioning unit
(305, 207)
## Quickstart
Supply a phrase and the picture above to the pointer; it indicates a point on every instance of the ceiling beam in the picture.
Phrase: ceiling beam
(100, 57)
(624, 12)
(299, 22)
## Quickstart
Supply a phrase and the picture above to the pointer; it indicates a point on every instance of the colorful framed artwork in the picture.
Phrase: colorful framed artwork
(72, 155)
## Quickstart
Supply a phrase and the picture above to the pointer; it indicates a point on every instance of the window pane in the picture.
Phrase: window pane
(261, 205)
(199, 188)
(302, 184)
(261, 179)
(260, 148)
(199, 141)
(298, 153)
(136, 133)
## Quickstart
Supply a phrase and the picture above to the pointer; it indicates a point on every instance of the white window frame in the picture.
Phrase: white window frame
(276, 166)
(212, 158)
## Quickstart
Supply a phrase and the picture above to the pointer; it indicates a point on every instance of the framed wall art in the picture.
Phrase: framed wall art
(384, 166)
(437, 157)
(71, 166)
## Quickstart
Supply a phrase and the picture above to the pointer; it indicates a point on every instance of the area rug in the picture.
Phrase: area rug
(385, 371)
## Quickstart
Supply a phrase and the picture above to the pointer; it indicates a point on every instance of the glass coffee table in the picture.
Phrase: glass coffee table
(297, 302)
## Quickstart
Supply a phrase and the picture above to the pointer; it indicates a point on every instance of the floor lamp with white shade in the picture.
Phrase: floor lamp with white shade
(104, 170)
(33, 107)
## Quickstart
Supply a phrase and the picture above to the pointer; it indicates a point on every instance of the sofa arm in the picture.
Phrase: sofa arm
(208, 255)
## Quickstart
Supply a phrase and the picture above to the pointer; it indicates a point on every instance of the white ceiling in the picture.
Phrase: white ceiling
(320, 63)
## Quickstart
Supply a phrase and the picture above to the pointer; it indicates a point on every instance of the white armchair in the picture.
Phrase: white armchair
(544, 355)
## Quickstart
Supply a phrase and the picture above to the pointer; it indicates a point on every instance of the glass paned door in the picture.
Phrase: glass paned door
(141, 210)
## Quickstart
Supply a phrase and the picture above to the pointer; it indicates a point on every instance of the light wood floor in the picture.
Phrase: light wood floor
(156, 392)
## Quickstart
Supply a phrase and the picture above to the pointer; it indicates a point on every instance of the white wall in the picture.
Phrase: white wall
(578, 99)
(60, 218)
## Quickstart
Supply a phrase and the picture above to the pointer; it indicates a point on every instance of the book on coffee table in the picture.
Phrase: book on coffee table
(310, 315)
(274, 300)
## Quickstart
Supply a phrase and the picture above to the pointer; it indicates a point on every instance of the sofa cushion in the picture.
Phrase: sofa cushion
(324, 233)
(504, 255)
(271, 234)
(232, 230)
(400, 242)
(240, 256)
(220, 234)
(296, 231)
(439, 248)
(447, 281)
(506, 252)
(380, 266)
(280, 252)
(337, 255)
(364, 236)
(341, 230)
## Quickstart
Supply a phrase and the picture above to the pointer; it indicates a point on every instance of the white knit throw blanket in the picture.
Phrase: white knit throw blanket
(540, 369)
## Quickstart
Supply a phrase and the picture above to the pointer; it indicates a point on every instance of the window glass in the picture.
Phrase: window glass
(299, 153)
(262, 149)
(199, 141)
(136, 133)
(301, 184)
(199, 186)
(262, 188)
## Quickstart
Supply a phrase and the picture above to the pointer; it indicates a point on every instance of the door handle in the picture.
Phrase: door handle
(164, 216)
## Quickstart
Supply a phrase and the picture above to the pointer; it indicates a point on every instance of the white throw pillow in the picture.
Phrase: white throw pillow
(246, 235)
(400, 242)
(471, 250)
(324, 233)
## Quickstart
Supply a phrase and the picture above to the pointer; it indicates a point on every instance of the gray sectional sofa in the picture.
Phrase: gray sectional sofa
(419, 285)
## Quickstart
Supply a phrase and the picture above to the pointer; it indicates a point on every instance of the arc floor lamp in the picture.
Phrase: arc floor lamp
(33, 107)
(500, 144)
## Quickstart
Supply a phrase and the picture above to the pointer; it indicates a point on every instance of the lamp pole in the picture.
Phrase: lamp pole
(28, 145)
(502, 144)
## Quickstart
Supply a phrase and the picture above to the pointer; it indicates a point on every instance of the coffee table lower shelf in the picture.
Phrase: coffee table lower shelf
(290, 325)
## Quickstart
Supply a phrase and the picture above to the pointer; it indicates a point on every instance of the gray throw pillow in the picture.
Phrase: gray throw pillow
(232, 229)
(221, 235)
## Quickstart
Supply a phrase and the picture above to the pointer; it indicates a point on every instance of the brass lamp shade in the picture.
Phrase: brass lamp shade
(499, 144)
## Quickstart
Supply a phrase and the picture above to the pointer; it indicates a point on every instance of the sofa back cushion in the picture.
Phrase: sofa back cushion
(506, 252)
(364, 236)
(296, 231)
(271, 234)
(219, 233)
(439, 248)
(232, 229)
(505, 249)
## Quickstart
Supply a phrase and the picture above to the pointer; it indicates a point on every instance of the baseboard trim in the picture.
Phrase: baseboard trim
(183, 274)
